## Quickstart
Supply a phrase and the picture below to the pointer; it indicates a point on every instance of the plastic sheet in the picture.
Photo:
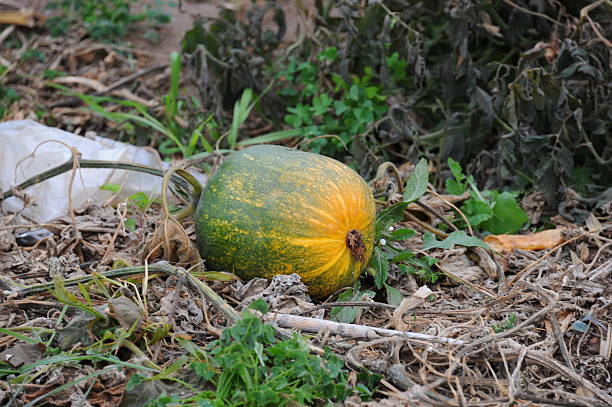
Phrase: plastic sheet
(49, 199)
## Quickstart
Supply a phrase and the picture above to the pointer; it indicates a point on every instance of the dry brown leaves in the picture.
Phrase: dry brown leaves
(171, 242)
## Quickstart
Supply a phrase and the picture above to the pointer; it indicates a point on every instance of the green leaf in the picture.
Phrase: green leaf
(403, 256)
(456, 169)
(18, 336)
(114, 188)
(219, 276)
(348, 314)
(507, 217)
(380, 264)
(172, 97)
(417, 183)
(389, 217)
(259, 305)
(141, 200)
(354, 92)
(135, 380)
(453, 187)
(400, 234)
(394, 297)
(458, 237)
(476, 211)
(328, 54)
(66, 297)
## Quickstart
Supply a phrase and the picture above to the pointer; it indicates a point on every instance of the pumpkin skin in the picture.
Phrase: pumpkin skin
(271, 210)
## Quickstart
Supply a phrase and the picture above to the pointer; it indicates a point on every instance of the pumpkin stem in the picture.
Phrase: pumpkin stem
(354, 241)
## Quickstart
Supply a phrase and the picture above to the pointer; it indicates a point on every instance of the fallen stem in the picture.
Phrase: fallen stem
(82, 163)
(315, 325)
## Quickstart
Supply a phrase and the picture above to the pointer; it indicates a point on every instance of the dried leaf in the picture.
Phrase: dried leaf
(593, 224)
(171, 242)
(535, 241)
(125, 311)
(408, 303)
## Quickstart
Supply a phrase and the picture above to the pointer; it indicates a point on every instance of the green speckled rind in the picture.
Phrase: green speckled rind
(270, 210)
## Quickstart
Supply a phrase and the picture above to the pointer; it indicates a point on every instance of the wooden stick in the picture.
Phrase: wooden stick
(314, 325)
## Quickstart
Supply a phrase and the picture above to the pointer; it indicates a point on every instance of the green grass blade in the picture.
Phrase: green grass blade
(171, 99)
(272, 137)
(242, 109)
(15, 335)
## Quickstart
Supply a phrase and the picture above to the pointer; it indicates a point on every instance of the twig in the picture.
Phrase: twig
(228, 312)
(554, 321)
(425, 226)
(71, 101)
(541, 400)
(136, 75)
(315, 325)
(449, 203)
(74, 166)
(432, 211)
(120, 226)
(592, 263)
(545, 361)
(533, 13)
(584, 12)
(348, 304)
(394, 372)
(523, 272)
(482, 341)
(67, 166)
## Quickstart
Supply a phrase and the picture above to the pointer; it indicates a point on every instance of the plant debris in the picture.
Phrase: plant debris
(100, 307)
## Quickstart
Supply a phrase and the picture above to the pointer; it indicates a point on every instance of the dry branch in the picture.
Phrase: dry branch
(314, 325)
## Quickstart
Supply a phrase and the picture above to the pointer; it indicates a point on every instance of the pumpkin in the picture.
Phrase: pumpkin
(271, 210)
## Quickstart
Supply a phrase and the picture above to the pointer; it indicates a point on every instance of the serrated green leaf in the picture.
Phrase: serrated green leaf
(458, 237)
(380, 264)
(417, 183)
(507, 215)
(456, 169)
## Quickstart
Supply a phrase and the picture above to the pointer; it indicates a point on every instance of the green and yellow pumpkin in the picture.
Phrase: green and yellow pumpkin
(271, 210)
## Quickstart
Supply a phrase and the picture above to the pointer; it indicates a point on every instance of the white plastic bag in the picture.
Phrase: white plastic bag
(18, 139)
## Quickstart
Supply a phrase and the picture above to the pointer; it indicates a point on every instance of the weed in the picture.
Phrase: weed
(106, 21)
(248, 366)
(137, 203)
(508, 323)
(493, 211)
(408, 262)
(176, 139)
(7, 97)
(52, 74)
(32, 54)
(330, 120)
(355, 293)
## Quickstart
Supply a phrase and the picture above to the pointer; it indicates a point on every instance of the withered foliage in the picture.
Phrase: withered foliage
(518, 91)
